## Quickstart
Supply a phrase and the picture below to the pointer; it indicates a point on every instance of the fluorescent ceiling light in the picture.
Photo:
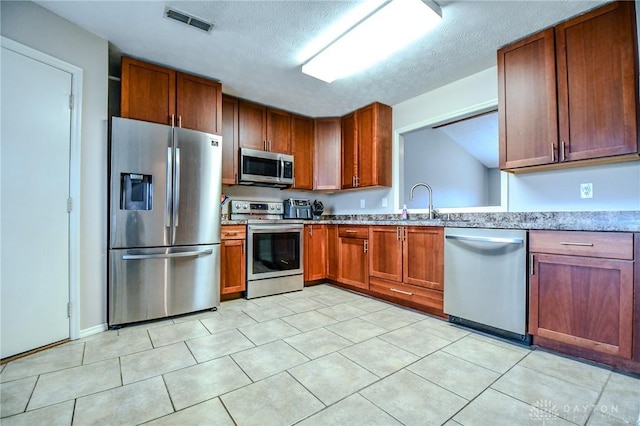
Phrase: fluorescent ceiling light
(387, 30)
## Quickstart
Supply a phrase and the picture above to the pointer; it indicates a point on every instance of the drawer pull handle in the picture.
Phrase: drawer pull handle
(230, 233)
(349, 231)
(402, 292)
(568, 243)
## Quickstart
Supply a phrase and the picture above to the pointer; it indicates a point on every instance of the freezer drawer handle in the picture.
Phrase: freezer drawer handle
(486, 239)
(167, 255)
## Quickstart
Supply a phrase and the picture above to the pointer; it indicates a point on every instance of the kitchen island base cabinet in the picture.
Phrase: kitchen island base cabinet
(582, 291)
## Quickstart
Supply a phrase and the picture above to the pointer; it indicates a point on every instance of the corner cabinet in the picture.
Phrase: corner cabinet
(233, 261)
(366, 147)
(582, 291)
(326, 154)
(302, 150)
(592, 115)
(161, 95)
(407, 262)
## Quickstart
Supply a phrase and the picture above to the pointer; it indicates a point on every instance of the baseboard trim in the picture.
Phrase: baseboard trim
(93, 330)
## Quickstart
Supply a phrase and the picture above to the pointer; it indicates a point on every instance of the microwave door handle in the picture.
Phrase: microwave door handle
(281, 168)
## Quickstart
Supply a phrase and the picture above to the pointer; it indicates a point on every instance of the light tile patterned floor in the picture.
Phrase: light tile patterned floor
(323, 356)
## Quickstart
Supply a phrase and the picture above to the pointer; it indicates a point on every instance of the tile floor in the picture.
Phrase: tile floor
(323, 356)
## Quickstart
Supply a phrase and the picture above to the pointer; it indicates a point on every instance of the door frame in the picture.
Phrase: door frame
(74, 172)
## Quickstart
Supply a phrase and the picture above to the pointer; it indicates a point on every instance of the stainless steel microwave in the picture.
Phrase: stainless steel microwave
(264, 168)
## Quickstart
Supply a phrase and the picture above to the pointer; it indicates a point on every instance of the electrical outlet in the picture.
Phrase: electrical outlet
(384, 202)
(586, 190)
(362, 203)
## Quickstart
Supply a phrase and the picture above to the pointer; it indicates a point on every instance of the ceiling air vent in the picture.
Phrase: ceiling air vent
(188, 19)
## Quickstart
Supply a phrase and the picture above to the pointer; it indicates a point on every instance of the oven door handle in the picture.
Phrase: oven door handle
(277, 228)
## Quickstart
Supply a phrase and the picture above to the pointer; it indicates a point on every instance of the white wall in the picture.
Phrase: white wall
(462, 181)
(34, 26)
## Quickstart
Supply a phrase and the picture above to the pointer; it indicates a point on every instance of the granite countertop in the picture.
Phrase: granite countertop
(627, 221)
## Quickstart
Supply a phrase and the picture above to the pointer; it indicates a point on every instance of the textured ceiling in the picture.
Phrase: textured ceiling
(255, 48)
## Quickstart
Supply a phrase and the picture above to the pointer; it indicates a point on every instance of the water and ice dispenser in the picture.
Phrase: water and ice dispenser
(135, 191)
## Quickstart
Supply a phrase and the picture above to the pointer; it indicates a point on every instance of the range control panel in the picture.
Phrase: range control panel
(256, 207)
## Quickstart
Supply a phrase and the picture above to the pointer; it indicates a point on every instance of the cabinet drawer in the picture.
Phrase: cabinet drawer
(612, 245)
(418, 295)
(233, 232)
(353, 231)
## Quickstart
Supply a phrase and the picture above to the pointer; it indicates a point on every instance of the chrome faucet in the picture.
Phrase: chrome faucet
(431, 209)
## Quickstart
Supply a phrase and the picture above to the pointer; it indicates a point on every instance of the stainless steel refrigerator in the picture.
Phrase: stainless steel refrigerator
(164, 242)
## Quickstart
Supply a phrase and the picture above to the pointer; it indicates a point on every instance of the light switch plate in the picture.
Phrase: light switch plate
(362, 203)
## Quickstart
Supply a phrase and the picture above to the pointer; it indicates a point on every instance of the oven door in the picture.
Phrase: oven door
(274, 250)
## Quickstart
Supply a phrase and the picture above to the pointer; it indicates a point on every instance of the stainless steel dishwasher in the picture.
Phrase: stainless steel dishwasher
(485, 282)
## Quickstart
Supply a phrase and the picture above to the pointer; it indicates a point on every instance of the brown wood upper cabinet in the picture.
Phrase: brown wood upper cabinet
(326, 150)
(366, 147)
(591, 117)
(581, 290)
(161, 95)
(302, 150)
(264, 128)
(229, 140)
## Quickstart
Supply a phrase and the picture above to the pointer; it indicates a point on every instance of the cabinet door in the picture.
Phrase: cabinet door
(333, 253)
(327, 153)
(232, 266)
(374, 145)
(229, 140)
(354, 262)
(597, 83)
(315, 252)
(278, 131)
(527, 105)
(199, 103)
(582, 301)
(252, 120)
(385, 249)
(423, 260)
(349, 151)
(148, 92)
(302, 150)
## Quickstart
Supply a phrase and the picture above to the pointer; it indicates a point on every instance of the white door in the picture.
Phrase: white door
(34, 228)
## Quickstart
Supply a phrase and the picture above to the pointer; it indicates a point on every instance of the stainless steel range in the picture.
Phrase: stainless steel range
(274, 248)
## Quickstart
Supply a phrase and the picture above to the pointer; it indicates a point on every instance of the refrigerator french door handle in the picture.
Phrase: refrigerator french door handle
(176, 195)
(167, 255)
(169, 196)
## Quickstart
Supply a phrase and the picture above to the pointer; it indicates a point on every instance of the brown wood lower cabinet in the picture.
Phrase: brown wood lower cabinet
(333, 252)
(582, 289)
(353, 246)
(407, 262)
(233, 259)
(315, 252)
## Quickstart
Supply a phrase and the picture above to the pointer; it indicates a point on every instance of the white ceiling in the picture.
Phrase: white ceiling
(256, 46)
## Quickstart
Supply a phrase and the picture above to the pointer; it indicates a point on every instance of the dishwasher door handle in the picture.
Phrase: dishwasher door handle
(486, 239)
